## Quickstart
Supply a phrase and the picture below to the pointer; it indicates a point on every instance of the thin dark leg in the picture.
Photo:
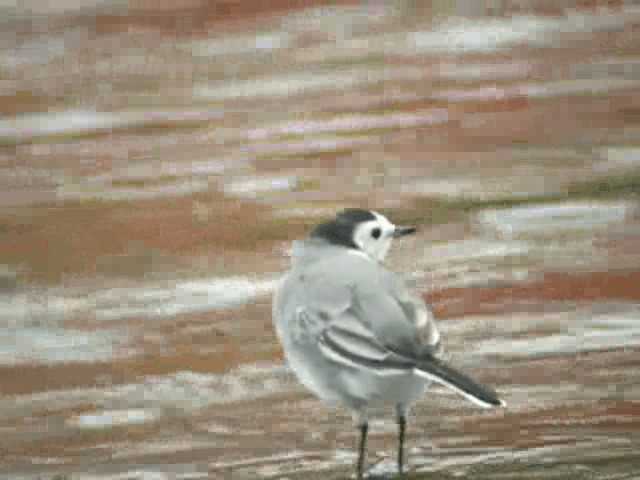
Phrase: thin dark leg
(402, 423)
(363, 447)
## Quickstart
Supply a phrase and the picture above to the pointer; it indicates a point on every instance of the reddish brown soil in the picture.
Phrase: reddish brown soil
(22, 101)
(239, 335)
(27, 379)
(555, 287)
(51, 241)
(525, 429)
(556, 370)
(202, 15)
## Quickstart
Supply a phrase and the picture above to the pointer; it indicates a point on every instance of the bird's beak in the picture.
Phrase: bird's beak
(402, 231)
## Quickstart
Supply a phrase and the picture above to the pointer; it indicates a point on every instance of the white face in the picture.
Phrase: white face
(375, 237)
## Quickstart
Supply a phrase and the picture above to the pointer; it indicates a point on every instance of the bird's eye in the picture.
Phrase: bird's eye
(375, 233)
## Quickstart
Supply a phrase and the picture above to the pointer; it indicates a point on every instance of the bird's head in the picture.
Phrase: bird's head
(364, 230)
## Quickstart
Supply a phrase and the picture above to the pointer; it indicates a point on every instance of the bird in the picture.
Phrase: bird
(354, 334)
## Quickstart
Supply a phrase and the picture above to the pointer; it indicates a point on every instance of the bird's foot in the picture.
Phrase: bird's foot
(382, 470)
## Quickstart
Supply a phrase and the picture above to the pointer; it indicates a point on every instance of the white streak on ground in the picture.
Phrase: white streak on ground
(113, 418)
(32, 125)
(29, 320)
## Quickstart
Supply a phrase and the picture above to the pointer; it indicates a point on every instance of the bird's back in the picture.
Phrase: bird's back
(325, 280)
(321, 280)
(317, 295)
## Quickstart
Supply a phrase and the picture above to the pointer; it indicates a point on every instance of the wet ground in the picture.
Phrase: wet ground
(155, 167)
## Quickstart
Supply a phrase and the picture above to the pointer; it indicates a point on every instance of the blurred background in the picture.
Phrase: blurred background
(157, 159)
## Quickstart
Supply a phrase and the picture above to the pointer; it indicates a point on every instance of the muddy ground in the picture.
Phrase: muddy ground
(157, 161)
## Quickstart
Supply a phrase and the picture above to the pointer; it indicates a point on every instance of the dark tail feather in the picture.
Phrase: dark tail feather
(437, 371)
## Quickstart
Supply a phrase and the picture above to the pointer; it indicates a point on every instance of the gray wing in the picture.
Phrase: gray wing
(416, 312)
(351, 291)
(376, 323)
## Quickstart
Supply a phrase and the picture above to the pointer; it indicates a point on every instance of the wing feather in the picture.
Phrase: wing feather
(360, 316)
(350, 348)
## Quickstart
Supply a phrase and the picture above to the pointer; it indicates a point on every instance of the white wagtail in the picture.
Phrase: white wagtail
(353, 334)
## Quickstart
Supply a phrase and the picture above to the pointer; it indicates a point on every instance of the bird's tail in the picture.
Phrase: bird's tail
(439, 372)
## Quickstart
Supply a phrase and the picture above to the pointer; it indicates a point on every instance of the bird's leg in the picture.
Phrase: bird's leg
(402, 423)
(364, 427)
